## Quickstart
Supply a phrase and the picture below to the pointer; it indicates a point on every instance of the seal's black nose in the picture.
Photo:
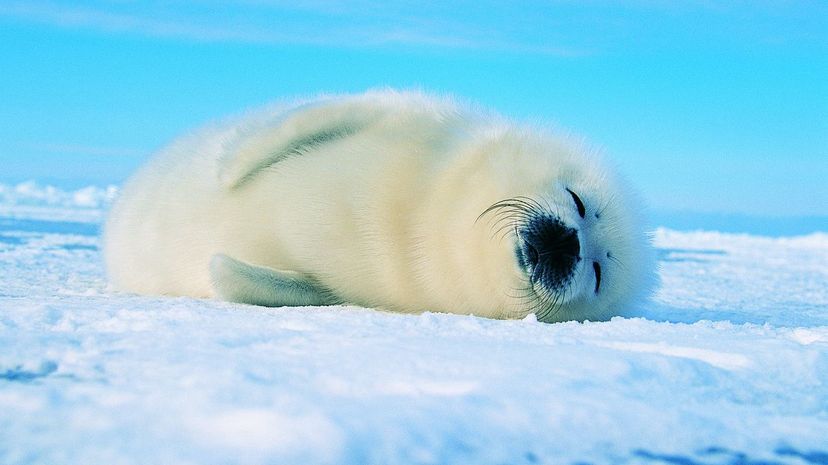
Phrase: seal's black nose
(549, 251)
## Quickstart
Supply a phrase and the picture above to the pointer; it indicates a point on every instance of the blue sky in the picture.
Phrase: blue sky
(706, 106)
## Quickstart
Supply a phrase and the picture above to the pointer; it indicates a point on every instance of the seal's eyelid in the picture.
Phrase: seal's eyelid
(578, 203)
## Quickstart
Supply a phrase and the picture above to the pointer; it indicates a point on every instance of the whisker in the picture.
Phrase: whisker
(607, 203)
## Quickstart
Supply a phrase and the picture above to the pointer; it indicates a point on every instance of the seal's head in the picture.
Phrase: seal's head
(577, 243)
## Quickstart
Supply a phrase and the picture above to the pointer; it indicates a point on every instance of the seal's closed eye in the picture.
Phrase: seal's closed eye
(578, 203)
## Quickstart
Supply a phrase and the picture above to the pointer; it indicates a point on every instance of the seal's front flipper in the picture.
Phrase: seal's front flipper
(241, 282)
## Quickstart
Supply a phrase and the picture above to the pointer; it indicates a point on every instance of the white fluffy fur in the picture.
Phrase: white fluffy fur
(386, 217)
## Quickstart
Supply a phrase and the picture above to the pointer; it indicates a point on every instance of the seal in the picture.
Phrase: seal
(400, 201)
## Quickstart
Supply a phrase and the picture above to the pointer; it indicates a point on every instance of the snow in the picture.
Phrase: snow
(727, 365)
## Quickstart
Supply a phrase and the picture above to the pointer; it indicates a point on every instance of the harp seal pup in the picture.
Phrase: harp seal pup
(400, 201)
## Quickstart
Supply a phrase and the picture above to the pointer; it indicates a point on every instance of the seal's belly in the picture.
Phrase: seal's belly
(352, 221)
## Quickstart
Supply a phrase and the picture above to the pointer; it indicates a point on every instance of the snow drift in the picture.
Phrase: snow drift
(727, 365)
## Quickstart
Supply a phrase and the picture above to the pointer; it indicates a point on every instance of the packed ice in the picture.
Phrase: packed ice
(727, 364)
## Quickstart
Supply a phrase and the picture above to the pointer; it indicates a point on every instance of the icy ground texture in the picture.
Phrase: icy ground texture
(729, 365)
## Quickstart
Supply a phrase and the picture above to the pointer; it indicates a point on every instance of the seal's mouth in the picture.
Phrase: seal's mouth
(548, 251)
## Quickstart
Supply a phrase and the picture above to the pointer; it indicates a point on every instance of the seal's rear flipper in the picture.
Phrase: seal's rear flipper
(241, 282)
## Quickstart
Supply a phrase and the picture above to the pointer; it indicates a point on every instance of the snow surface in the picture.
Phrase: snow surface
(728, 365)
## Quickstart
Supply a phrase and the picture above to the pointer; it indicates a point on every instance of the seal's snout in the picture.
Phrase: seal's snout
(549, 251)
